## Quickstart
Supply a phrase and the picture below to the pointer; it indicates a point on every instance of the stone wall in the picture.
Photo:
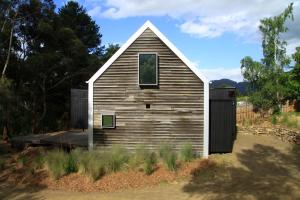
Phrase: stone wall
(287, 135)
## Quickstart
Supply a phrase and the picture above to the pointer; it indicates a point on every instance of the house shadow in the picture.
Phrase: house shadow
(265, 173)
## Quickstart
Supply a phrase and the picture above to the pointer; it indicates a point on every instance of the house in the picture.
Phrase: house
(148, 93)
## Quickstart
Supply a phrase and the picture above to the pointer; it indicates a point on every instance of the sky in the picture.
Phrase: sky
(214, 35)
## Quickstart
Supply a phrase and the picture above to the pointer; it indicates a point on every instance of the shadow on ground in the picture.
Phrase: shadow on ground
(14, 191)
(265, 173)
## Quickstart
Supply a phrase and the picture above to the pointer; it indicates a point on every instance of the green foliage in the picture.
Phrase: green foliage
(60, 163)
(290, 120)
(72, 165)
(293, 83)
(22, 160)
(138, 158)
(274, 119)
(267, 78)
(56, 162)
(116, 158)
(52, 52)
(186, 153)
(150, 163)
(39, 161)
(168, 156)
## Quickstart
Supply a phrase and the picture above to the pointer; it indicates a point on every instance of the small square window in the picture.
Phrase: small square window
(108, 121)
(148, 69)
(148, 106)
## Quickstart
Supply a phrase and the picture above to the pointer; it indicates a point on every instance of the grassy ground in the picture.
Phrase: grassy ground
(261, 167)
(290, 119)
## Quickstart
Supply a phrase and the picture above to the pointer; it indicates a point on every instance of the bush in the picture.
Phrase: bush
(116, 158)
(95, 168)
(22, 160)
(56, 163)
(150, 163)
(138, 158)
(168, 156)
(90, 163)
(187, 153)
(72, 165)
(60, 163)
(39, 161)
(274, 119)
(82, 159)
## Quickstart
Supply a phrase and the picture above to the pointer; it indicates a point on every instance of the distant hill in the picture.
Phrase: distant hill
(240, 86)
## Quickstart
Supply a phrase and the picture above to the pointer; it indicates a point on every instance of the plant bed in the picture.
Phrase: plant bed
(29, 173)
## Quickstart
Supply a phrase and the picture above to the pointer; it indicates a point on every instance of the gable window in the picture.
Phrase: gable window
(148, 69)
(108, 121)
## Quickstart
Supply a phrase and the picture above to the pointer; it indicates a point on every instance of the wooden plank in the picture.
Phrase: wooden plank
(176, 106)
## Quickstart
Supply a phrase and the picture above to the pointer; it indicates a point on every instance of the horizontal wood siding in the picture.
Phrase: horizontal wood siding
(176, 113)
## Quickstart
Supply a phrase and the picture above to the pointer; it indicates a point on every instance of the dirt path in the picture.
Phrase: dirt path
(261, 167)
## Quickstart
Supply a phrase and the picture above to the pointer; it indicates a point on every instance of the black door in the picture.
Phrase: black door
(222, 125)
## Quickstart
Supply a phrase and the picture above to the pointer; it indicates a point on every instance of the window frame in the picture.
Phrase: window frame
(156, 69)
(114, 121)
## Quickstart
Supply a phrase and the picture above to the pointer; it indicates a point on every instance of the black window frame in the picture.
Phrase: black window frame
(156, 69)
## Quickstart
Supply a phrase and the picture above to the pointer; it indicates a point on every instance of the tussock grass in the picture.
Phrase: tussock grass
(56, 163)
(150, 163)
(169, 157)
(186, 153)
(116, 158)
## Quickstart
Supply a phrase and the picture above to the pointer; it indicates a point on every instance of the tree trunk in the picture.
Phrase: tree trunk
(5, 133)
(8, 52)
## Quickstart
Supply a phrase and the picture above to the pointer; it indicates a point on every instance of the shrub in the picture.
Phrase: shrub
(71, 165)
(187, 153)
(150, 163)
(95, 168)
(168, 156)
(274, 119)
(90, 163)
(39, 161)
(56, 163)
(138, 158)
(164, 150)
(82, 159)
(22, 160)
(116, 158)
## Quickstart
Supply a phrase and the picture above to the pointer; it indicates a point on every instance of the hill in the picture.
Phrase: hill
(240, 86)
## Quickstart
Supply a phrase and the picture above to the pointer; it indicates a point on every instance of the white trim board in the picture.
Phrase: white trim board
(188, 63)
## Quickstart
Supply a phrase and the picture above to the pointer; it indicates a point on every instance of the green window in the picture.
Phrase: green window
(148, 69)
(108, 121)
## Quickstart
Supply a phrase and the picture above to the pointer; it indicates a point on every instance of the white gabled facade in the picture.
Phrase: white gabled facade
(149, 25)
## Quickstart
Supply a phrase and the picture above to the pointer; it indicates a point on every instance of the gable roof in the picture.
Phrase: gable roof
(149, 25)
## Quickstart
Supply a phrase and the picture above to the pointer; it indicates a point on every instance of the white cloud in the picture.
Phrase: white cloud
(205, 18)
(95, 11)
(201, 18)
(219, 73)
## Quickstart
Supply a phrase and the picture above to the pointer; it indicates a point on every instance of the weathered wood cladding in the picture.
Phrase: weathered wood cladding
(176, 112)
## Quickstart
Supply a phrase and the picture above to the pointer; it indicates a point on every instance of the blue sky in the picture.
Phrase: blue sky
(214, 36)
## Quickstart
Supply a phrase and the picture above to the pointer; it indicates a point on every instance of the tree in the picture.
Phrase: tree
(293, 84)
(267, 76)
(48, 57)
(74, 16)
(110, 51)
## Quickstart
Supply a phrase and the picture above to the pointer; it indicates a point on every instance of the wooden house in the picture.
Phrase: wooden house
(148, 93)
